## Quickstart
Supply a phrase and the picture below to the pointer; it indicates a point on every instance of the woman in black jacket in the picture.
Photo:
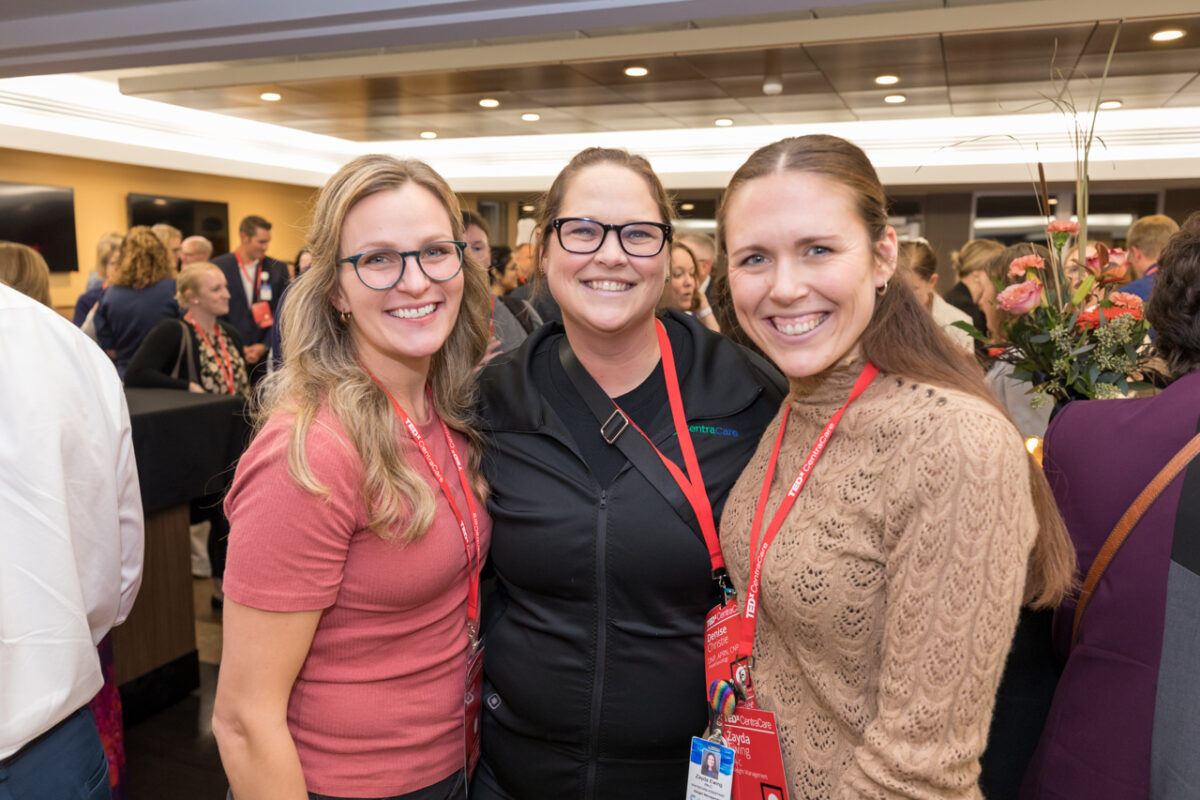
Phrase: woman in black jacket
(198, 353)
(593, 673)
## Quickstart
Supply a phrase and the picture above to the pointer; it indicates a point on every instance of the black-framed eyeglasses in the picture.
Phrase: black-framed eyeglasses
(582, 236)
(383, 269)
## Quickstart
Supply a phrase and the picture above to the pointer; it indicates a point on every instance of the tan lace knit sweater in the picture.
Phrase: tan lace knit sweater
(891, 593)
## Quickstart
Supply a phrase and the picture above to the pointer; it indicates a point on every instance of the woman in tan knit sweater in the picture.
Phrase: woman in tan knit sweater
(889, 596)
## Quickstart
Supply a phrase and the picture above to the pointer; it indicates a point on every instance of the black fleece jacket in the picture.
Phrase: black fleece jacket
(594, 678)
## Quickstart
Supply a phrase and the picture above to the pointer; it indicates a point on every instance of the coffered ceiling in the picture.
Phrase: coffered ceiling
(379, 73)
(565, 61)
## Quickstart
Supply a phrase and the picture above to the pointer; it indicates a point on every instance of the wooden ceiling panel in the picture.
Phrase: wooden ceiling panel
(785, 103)
(1143, 62)
(934, 95)
(1135, 36)
(911, 76)
(748, 63)
(605, 114)
(559, 98)
(750, 86)
(886, 54)
(656, 92)
(1023, 70)
(612, 73)
(1042, 46)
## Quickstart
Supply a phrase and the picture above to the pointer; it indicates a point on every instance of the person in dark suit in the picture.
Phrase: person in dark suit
(253, 277)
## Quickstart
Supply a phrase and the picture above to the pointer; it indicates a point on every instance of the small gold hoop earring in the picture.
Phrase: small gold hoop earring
(881, 290)
(345, 317)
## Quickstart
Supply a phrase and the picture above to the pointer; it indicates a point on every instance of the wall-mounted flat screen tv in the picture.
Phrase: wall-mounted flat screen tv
(42, 217)
(192, 217)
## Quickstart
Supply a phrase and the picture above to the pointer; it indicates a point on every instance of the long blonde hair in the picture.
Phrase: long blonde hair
(901, 337)
(321, 367)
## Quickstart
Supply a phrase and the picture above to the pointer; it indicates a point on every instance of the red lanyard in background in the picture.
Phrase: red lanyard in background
(758, 550)
(256, 283)
(223, 359)
(470, 538)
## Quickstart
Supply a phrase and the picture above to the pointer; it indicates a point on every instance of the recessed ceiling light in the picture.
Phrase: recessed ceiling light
(428, 134)
(531, 117)
(687, 206)
(887, 80)
(723, 122)
(271, 97)
(528, 208)
(637, 72)
(895, 98)
(489, 102)
(1106, 104)
(160, 201)
(1168, 35)
(1053, 201)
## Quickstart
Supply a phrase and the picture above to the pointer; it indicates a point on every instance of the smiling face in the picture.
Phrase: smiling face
(608, 292)
(803, 271)
(212, 293)
(402, 327)
(682, 281)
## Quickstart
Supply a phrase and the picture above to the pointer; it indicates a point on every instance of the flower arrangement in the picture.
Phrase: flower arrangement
(1071, 341)
(1078, 339)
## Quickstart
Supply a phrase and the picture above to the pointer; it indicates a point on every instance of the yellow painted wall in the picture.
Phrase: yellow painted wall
(100, 204)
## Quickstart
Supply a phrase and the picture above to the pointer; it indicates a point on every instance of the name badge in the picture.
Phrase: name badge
(264, 291)
(262, 314)
(758, 771)
(710, 771)
(473, 706)
(722, 631)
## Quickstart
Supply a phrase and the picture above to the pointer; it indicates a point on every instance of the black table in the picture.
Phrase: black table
(186, 445)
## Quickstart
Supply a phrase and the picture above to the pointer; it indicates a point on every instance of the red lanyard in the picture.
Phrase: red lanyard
(749, 617)
(691, 484)
(470, 542)
(257, 282)
(224, 361)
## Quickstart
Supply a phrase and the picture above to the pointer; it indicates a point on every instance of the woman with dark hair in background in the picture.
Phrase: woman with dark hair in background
(885, 601)
(918, 263)
(141, 293)
(502, 272)
(594, 675)
(1123, 724)
(303, 261)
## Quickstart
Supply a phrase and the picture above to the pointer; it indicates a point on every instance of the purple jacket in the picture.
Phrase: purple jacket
(1124, 722)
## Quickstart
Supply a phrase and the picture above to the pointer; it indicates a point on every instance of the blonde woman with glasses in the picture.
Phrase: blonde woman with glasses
(357, 514)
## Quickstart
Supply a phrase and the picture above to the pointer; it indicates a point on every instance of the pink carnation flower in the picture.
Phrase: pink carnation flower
(1063, 226)
(1018, 266)
(1020, 298)
(1126, 300)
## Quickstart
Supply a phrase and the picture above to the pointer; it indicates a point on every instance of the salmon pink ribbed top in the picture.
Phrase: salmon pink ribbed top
(377, 708)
